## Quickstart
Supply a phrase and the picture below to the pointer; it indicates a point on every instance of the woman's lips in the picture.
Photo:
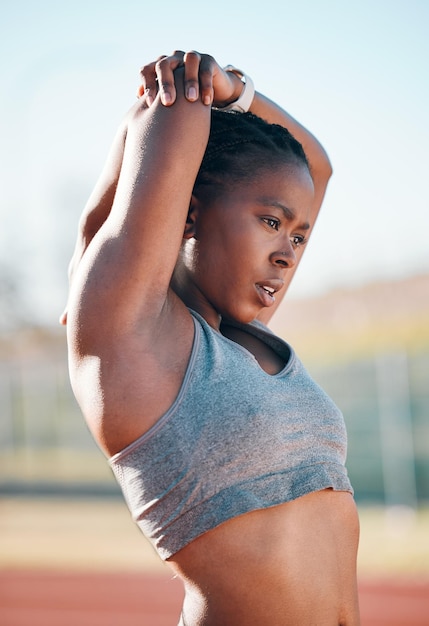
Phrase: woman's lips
(267, 290)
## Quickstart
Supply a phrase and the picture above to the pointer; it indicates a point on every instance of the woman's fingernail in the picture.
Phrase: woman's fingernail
(192, 93)
(166, 98)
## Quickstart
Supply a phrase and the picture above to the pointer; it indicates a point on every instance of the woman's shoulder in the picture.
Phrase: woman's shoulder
(132, 382)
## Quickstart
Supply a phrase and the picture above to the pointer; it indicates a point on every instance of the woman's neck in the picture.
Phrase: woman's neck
(191, 296)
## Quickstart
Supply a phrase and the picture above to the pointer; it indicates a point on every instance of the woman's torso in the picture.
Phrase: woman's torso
(291, 563)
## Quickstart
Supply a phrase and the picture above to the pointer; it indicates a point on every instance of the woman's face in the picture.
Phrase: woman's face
(247, 239)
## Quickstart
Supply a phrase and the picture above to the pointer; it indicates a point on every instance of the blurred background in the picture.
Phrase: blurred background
(355, 73)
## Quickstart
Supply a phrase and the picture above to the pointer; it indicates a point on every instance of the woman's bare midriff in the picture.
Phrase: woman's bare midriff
(289, 565)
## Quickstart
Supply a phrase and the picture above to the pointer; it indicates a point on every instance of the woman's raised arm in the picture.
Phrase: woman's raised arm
(320, 170)
(123, 279)
(156, 76)
(125, 273)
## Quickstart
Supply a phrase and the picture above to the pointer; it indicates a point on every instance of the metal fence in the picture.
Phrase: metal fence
(385, 401)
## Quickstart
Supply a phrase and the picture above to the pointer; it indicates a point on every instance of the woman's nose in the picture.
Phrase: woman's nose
(285, 257)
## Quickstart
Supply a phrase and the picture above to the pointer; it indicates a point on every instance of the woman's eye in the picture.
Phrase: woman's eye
(272, 223)
(297, 240)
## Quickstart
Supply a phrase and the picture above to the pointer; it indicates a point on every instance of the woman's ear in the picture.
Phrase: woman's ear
(191, 220)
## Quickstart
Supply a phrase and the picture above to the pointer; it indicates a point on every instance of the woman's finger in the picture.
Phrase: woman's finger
(192, 68)
(149, 86)
(164, 68)
(208, 67)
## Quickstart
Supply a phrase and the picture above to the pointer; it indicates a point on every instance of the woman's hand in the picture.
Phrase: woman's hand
(204, 78)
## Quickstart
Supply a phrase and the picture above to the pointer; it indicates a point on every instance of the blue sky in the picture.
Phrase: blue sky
(354, 72)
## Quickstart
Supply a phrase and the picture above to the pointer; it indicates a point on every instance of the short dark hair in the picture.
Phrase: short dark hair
(241, 145)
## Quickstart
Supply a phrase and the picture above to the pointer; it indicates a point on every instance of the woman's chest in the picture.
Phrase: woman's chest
(268, 359)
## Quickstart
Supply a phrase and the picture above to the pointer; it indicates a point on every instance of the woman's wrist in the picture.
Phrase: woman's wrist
(243, 94)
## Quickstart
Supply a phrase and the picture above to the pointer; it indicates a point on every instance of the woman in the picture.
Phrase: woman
(230, 457)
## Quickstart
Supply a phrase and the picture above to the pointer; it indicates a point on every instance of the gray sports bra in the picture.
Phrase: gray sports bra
(236, 439)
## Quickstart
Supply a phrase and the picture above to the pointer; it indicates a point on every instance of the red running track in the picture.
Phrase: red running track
(33, 598)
